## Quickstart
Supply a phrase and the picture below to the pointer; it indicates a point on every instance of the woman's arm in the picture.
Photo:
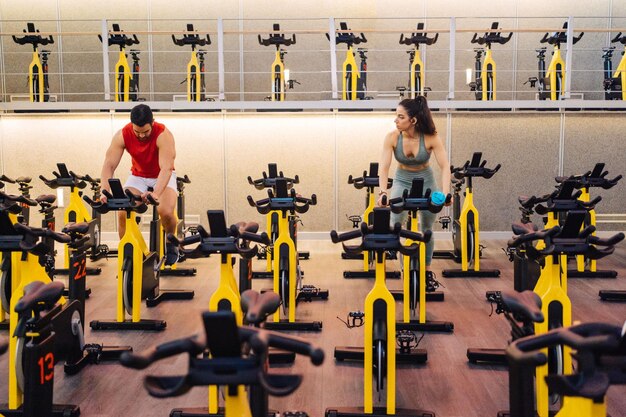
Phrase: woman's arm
(384, 163)
(444, 163)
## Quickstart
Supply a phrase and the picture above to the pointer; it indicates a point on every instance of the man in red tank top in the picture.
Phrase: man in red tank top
(151, 147)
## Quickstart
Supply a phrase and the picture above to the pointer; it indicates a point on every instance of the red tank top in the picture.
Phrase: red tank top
(144, 154)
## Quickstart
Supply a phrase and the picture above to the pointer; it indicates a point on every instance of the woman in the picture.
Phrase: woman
(411, 144)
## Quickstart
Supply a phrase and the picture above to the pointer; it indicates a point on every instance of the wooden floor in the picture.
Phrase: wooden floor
(447, 384)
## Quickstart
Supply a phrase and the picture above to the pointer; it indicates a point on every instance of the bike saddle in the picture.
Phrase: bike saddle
(524, 304)
(76, 228)
(23, 180)
(37, 293)
(523, 228)
(258, 307)
(46, 198)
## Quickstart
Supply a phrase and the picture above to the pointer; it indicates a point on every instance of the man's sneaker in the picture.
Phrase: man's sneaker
(171, 254)
(431, 283)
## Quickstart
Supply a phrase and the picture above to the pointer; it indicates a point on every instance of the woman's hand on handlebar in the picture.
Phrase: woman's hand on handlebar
(383, 199)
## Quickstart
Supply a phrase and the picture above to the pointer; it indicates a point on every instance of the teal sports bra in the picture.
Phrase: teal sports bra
(420, 159)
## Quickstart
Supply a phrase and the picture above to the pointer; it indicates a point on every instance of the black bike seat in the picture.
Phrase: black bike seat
(38, 292)
(78, 228)
(526, 304)
(23, 179)
(258, 307)
(523, 228)
(46, 198)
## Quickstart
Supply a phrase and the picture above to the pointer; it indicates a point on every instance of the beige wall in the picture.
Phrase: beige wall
(77, 71)
(220, 150)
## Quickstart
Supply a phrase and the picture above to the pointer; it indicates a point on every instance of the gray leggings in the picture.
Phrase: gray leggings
(402, 181)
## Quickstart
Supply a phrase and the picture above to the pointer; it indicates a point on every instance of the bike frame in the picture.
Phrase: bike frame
(284, 240)
(488, 71)
(36, 79)
(377, 299)
(123, 75)
(278, 77)
(467, 209)
(133, 240)
(349, 92)
(417, 74)
(556, 74)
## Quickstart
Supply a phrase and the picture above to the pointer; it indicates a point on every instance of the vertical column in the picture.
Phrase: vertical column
(220, 58)
(105, 60)
(452, 58)
(333, 58)
(568, 58)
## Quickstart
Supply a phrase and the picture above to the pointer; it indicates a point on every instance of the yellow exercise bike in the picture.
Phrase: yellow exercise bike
(38, 85)
(551, 82)
(279, 80)
(379, 351)
(615, 82)
(485, 82)
(126, 79)
(416, 65)
(196, 88)
(354, 79)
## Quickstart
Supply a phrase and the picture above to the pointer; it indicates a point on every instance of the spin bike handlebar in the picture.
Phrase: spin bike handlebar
(559, 37)
(120, 39)
(269, 182)
(619, 38)
(532, 236)
(400, 204)
(235, 370)
(191, 38)
(7, 201)
(492, 37)
(290, 203)
(32, 37)
(595, 178)
(367, 181)
(129, 202)
(596, 338)
(277, 39)
(347, 37)
(418, 37)
(40, 232)
(474, 168)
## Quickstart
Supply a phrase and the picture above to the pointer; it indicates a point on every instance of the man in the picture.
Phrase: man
(152, 150)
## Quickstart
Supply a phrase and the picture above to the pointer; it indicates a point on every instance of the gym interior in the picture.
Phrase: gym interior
(267, 97)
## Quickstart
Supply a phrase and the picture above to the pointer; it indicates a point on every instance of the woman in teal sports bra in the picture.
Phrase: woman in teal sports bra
(412, 143)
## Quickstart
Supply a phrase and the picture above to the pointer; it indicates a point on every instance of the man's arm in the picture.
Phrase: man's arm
(167, 155)
(112, 160)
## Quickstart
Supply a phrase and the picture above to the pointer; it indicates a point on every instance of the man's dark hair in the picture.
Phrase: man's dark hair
(141, 115)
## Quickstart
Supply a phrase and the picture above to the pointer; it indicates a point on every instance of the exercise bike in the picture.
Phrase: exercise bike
(38, 84)
(551, 82)
(484, 84)
(600, 351)
(369, 181)
(466, 225)
(354, 80)
(138, 269)
(64, 318)
(379, 351)
(287, 272)
(24, 188)
(75, 212)
(416, 290)
(268, 181)
(596, 178)
(568, 240)
(521, 310)
(416, 65)
(237, 359)
(614, 82)
(279, 82)
(196, 89)
(126, 80)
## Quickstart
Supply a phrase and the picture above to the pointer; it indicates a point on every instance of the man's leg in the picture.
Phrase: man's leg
(167, 214)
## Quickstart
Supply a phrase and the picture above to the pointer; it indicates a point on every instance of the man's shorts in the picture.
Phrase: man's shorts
(142, 184)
